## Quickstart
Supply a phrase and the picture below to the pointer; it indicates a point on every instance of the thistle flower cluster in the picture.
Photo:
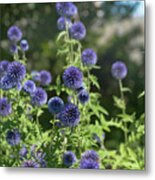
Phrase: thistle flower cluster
(89, 160)
(69, 158)
(13, 137)
(15, 35)
(5, 107)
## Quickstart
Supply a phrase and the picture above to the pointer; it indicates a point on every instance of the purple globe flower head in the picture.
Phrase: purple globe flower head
(24, 45)
(45, 78)
(6, 83)
(83, 96)
(3, 68)
(55, 105)
(119, 70)
(14, 33)
(90, 154)
(77, 31)
(35, 75)
(69, 158)
(63, 23)
(88, 164)
(29, 86)
(70, 115)
(5, 107)
(73, 77)
(39, 97)
(66, 9)
(89, 57)
(13, 137)
(30, 164)
(13, 48)
(16, 71)
(23, 152)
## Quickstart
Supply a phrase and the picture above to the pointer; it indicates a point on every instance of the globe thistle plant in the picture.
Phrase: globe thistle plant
(69, 158)
(70, 115)
(119, 70)
(89, 57)
(66, 9)
(45, 77)
(73, 77)
(88, 164)
(23, 152)
(16, 71)
(14, 34)
(83, 96)
(90, 154)
(29, 86)
(5, 107)
(77, 31)
(39, 97)
(14, 48)
(13, 137)
(24, 45)
(63, 23)
(30, 164)
(55, 105)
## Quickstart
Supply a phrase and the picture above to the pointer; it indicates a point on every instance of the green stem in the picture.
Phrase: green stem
(123, 110)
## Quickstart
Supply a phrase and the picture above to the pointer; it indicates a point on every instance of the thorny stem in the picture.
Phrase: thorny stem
(123, 110)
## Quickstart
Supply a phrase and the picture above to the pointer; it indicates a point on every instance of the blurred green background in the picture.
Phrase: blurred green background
(115, 29)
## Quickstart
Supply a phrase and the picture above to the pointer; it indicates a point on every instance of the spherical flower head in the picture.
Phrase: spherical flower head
(119, 70)
(13, 137)
(39, 97)
(23, 152)
(6, 83)
(29, 86)
(14, 33)
(90, 154)
(55, 105)
(31, 164)
(89, 57)
(83, 96)
(63, 23)
(77, 31)
(69, 158)
(16, 71)
(73, 77)
(5, 107)
(35, 75)
(88, 164)
(13, 48)
(24, 45)
(66, 9)
(45, 77)
(70, 115)
(3, 67)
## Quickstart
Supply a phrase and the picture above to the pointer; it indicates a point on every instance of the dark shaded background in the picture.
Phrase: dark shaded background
(113, 31)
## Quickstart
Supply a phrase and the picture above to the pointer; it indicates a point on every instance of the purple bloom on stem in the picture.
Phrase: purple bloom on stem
(6, 83)
(70, 115)
(24, 45)
(13, 48)
(77, 31)
(119, 70)
(23, 152)
(31, 164)
(16, 71)
(89, 160)
(5, 107)
(89, 57)
(55, 105)
(66, 9)
(13, 137)
(29, 86)
(83, 96)
(73, 77)
(88, 164)
(14, 33)
(69, 158)
(63, 23)
(45, 77)
(39, 97)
